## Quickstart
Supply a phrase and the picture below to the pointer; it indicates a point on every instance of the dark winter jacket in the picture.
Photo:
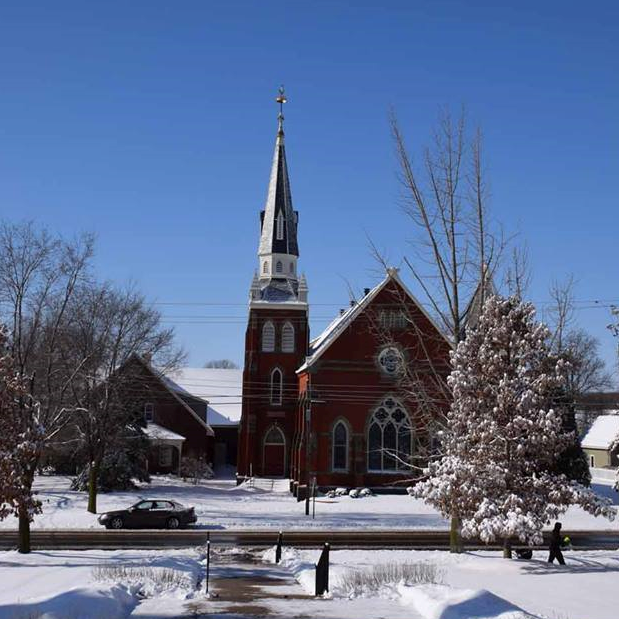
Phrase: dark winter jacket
(555, 539)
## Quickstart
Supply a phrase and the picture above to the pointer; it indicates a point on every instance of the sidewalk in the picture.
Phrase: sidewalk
(246, 588)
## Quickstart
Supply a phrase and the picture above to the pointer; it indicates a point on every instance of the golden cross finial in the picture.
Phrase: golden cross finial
(281, 99)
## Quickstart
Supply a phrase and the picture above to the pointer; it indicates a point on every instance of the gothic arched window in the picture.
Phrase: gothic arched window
(276, 386)
(339, 460)
(279, 267)
(288, 338)
(265, 267)
(268, 337)
(390, 437)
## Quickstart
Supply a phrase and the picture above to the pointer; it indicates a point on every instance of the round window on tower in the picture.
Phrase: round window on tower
(390, 361)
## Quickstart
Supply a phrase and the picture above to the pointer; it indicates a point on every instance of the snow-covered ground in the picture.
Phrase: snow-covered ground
(167, 584)
(76, 585)
(220, 503)
(480, 584)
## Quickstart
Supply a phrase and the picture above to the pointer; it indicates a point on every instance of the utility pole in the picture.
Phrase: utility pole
(308, 443)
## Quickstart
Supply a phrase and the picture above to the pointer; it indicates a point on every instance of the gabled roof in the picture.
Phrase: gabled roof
(485, 288)
(164, 383)
(603, 433)
(322, 343)
(279, 204)
(219, 388)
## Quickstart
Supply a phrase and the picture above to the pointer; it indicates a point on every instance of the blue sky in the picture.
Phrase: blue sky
(152, 124)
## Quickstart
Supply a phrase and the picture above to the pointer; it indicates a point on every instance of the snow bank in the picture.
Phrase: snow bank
(114, 602)
(444, 602)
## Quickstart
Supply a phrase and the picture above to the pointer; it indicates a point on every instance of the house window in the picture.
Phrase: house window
(288, 338)
(390, 438)
(280, 227)
(268, 337)
(265, 267)
(165, 455)
(149, 412)
(276, 386)
(279, 267)
(340, 447)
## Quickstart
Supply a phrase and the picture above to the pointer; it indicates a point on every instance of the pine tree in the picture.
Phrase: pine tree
(503, 437)
(18, 443)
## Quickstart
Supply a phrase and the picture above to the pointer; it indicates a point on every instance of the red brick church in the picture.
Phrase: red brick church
(329, 408)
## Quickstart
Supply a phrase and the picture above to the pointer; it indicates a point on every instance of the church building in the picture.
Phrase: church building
(332, 410)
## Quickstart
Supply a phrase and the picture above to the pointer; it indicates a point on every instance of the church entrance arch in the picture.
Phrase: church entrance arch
(274, 453)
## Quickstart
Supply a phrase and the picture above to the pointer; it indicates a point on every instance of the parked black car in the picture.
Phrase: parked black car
(150, 514)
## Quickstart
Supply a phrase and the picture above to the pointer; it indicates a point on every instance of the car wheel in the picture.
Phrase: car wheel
(173, 523)
(116, 523)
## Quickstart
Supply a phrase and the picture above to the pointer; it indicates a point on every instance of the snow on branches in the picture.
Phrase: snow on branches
(18, 440)
(503, 436)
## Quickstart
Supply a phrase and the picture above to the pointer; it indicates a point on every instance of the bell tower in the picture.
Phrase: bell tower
(277, 336)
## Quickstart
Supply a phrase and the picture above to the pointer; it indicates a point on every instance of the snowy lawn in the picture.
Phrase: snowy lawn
(92, 584)
(221, 504)
(479, 584)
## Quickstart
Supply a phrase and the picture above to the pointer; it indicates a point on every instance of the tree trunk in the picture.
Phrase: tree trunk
(455, 539)
(24, 532)
(93, 475)
(507, 549)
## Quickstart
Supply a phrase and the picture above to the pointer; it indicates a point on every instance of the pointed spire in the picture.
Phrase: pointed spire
(279, 220)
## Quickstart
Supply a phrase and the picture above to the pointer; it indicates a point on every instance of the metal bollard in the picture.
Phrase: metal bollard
(322, 571)
(278, 550)
(208, 560)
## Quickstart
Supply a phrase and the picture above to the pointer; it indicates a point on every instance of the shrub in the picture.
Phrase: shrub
(354, 582)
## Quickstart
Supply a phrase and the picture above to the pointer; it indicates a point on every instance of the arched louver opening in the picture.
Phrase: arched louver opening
(279, 267)
(288, 338)
(268, 337)
(276, 386)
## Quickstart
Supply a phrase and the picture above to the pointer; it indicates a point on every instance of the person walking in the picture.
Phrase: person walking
(555, 545)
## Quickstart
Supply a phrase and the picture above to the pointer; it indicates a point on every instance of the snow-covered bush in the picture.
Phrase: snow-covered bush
(365, 492)
(503, 437)
(119, 470)
(354, 493)
(195, 469)
(147, 581)
(341, 491)
(357, 582)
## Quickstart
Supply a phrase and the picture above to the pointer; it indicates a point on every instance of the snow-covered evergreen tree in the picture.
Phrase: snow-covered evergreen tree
(503, 438)
(18, 441)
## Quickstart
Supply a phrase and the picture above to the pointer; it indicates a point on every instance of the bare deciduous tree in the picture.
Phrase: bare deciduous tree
(456, 247)
(107, 327)
(39, 274)
(225, 364)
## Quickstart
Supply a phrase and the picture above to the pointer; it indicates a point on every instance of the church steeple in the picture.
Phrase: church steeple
(278, 250)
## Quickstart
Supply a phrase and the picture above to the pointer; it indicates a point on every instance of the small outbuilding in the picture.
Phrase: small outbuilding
(601, 442)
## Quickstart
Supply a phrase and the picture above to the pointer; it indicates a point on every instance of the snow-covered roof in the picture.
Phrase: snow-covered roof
(221, 388)
(159, 433)
(603, 432)
(320, 344)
